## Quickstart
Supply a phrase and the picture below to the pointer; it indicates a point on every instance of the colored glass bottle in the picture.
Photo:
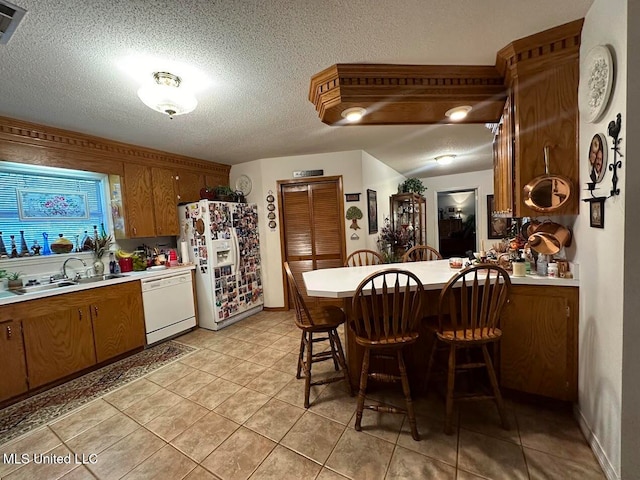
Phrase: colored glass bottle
(45, 244)
(24, 249)
(3, 249)
(14, 250)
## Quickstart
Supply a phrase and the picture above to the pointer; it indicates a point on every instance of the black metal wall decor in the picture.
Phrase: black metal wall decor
(614, 131)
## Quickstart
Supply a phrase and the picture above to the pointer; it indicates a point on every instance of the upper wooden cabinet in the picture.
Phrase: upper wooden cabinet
(165, 201)
(189, 185)
(542, 72)
(138, 201)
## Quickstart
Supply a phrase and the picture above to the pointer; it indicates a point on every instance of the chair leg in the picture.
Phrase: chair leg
(342, 361)
(450, 389)
(364, 376)
(407, 397)
(432, 357)
(307, 370)
(303, 338)
(496, 388)
(333, 350)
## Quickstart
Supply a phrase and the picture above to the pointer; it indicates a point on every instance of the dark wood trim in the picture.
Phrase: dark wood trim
(276, 309)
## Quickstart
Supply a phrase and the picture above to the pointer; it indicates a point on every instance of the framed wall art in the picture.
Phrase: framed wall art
(45, 205)
(372, 211)
(596, 212)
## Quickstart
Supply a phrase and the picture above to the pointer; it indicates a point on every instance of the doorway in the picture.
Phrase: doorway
(312, 229)
(457, 214)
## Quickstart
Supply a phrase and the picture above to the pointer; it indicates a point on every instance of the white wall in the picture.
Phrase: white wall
(482, 180)
(352, 165)
(599, 252)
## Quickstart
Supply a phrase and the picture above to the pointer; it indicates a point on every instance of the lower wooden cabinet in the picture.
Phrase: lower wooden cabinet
(539, 346)
(14, 368)
(118, 320)
(66, 334)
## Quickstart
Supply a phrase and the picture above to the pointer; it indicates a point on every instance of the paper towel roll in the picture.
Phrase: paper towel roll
(184, 252)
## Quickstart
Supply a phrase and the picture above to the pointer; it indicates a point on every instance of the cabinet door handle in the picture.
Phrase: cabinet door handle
(79, 314)
(135, 231)
(9, 333)
(95, 310)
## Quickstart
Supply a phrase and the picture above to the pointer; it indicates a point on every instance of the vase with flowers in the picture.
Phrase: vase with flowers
(100, 245)
(392, 243)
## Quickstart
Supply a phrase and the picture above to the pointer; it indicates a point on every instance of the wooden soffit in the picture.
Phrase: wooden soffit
(408, 94)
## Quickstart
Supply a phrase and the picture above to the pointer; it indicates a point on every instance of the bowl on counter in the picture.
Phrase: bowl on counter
(455, 262)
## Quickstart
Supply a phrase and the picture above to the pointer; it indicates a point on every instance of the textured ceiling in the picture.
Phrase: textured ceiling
(77, 65)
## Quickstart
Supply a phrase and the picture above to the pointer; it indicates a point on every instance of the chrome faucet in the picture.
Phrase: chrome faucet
(64, 265)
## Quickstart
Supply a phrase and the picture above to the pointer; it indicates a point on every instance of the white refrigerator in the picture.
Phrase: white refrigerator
(222, 241)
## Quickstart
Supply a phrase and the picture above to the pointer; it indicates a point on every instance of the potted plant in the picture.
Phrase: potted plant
(224, 193)
(412, 185)
(14, 280)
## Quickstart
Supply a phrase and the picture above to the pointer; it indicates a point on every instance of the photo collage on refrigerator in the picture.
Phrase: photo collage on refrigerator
(245, 222)
(197, 238)
(226, 293)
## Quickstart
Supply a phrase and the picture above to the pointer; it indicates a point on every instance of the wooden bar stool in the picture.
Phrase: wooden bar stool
(385, 311)
(323, 321)
(421, 253)
(468, 315)
(363, 257)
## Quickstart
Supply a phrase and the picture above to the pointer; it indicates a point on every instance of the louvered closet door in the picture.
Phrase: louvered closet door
(312, 228)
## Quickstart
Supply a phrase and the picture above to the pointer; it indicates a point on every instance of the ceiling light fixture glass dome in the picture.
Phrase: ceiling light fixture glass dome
(166, 97)
(458, 113)
(445, 159)
(353, 114)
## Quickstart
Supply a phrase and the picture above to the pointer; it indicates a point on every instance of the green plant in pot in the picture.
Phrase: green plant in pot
(14, 280)
(225, 194)
(412, 185)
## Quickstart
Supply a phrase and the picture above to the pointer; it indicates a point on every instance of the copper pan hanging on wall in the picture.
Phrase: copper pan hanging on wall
(547, 192)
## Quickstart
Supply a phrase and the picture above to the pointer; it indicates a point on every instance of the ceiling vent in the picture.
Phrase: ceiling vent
(10, 16)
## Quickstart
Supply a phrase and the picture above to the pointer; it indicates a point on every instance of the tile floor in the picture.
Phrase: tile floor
(233, 410)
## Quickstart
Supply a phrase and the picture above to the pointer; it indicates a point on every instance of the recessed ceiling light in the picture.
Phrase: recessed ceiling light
(445, 159)
(353, 114)
(458, 113)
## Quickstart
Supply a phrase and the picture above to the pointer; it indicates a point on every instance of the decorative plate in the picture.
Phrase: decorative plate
(243, 184)
(597, 157)
(596, 80)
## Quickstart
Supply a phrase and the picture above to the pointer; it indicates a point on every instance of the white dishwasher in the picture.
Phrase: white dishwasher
(168, 306)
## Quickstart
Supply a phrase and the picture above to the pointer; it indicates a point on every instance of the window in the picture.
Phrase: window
(49, 200)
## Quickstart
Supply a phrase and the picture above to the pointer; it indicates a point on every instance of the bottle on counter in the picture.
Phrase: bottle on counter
(112, 263)
(552, 270)
(519, 269)
(542, 266)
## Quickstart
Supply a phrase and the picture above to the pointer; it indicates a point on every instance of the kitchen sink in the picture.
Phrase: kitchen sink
(40, 288)
(97, 278)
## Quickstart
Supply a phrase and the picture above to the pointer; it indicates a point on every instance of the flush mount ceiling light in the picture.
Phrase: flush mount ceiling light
(353, 114)
(458, 113)
(165, 95)
(445, 159)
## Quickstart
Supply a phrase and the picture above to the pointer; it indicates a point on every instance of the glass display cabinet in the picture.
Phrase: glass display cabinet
(409, 216)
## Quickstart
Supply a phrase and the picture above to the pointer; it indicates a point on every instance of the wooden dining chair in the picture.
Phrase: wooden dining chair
(385, 312)
(363, 257)
(468, 318)
(324, 322)
(421, 253)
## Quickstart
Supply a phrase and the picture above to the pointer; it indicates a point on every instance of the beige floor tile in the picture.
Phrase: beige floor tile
(287, 344)
(287, 364)
(433, 442)
(222, 365)
(215, 393)
(239, 455)
(293, 392)
(266, 339)
(463, 475)
(490, 457)
(204, 436)
(169, 374)
(548, 467)
(241, 405)
(335, 403)
(243, 373)
(408, 464)
(220, 342)
(79, 473)
(167, 464)
(201, 358)
(152, 406)
(41, 470)
(326, 474)
(132, 394)
(200, 473)
(244, 350)
(39, 441)
(176, 419)
(270, 382)
(267, 357)
(283, 328)
(557, 435)
(103, 435)
(483, 417)
(386, 426)
(283, 463)
(191, 383)
(274, 419)
(359, 456)
(83, 419)
(125, 455)
(313, 436)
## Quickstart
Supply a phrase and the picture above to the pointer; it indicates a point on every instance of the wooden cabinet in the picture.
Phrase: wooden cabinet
(408, 213)
(539, 346)
(138, 201)
(118, 320)
(541, 72)
(165, 201)
(58, 341)
(189, 185)
(12, 358)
